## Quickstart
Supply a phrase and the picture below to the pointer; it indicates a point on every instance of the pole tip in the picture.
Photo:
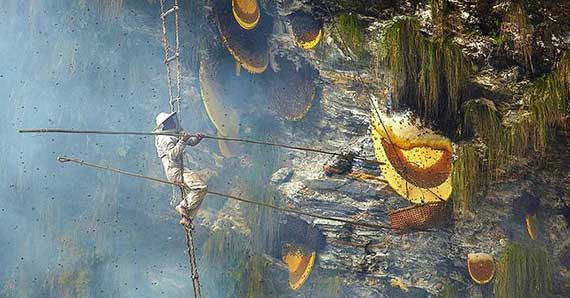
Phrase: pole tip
(62, 159)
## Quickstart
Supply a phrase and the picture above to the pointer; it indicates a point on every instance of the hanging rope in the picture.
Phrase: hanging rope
(236, 198)
(174, 102)
(371, 102)
(175, 134)
(192, 259)
(174, 96)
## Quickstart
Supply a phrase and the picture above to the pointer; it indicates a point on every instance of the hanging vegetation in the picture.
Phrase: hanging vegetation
(329, 287)
(262, 221)
(448, 291)
(256, 282)
(482, 120)
(524, 272)
(348, 30)
(439, 13)
(217, 246)
(428, 76)
(469, 175)
(257, 233)
(517, 26)
(499, 140)
(548, 101)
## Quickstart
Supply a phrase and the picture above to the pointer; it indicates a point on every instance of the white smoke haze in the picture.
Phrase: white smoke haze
(68, 231)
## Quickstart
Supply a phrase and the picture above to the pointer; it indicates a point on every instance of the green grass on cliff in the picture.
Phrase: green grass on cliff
(548, 101)
(427, 75)
(517, 133)
(521, 32)
(469, 175)
(348, 30)
(524, 272)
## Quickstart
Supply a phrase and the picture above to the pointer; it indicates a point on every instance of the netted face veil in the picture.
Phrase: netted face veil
(162, 118)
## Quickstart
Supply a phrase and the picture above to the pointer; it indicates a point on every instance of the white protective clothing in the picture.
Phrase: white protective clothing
(170, 150)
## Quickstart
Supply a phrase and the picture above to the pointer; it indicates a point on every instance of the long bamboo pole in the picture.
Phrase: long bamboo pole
(176, 134)
(232, 197)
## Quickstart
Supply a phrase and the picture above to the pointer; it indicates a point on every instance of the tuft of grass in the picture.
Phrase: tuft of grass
(469, 175)
(427, 75)
(518, 133)
(517, 25)
(256, 179)
(331, 287)
(548, 101)
(349, 29)
(219, 247)
(439, 12)
(524, 272)
(482, 120)
(226, 251)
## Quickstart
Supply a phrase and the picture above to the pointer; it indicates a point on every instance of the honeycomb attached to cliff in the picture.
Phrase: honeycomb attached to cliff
(417, 162)
(290, 90)
(300, 264)
(248, 47)
(307, 30)
(217, 99)
(530, 221)
(481, 267)
(246, 13)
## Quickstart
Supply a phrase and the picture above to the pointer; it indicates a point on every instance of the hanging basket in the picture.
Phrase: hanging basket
(419, 216)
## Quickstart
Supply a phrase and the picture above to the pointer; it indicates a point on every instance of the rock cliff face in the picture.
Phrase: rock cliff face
(507, 54)
(99, 64)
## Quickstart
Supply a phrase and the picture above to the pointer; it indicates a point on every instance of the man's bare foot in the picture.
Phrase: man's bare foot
(186, 222)
(182, 210)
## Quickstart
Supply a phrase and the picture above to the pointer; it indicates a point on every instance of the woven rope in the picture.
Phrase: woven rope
(174, 102)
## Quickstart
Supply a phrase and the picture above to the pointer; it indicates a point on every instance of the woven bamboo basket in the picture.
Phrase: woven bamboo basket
(419, 216)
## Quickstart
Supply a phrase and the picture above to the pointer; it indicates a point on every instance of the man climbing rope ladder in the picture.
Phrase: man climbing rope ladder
(170, 150)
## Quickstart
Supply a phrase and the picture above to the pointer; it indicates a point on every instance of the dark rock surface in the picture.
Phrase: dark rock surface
(372, 263)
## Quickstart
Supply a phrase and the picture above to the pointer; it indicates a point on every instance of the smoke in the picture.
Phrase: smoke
(69, 231)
